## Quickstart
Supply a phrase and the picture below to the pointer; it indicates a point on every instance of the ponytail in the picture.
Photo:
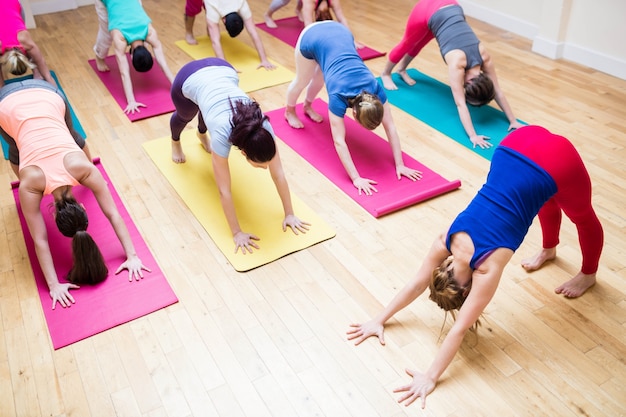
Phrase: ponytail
(369, 110)
(17, 63)
(88, 262)
(248, 133)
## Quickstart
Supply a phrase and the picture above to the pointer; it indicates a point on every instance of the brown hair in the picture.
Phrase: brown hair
(479, 90)
(248, 133)
(88, 263)
(17, 63)
(369, 110)
(446, 291)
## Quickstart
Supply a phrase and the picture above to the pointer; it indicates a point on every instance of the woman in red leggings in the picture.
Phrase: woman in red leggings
(472, 73)
(532, 172)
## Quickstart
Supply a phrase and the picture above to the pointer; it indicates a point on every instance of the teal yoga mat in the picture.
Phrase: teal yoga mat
(431, 102)
(77, 126)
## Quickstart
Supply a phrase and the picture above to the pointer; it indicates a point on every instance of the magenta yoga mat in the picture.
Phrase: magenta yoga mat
(151, 88)
(289, 29)
(110, 303)
(372, 157)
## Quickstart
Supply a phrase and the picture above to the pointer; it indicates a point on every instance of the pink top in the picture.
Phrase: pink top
(11, 23)
(35, 118)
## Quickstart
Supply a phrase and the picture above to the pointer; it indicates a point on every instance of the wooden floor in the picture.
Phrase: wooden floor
(271, 342)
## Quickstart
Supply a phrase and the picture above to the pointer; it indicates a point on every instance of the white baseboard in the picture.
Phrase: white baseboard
(596, 60)
(548, 47)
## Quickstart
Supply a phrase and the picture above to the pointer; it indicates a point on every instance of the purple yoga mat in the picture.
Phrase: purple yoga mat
(110, 303)
(371, 155)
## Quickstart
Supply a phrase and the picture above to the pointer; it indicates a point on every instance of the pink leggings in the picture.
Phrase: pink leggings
(560, 159)
(417, 34)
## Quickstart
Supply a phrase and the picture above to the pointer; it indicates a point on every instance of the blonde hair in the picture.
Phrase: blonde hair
(446, 292)
(16, 62)
(369, 110)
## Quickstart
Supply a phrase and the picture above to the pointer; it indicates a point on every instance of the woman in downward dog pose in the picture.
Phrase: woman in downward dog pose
(325, 54)
(210, 89)
(471, 70)
(35, 121)
(532, 172)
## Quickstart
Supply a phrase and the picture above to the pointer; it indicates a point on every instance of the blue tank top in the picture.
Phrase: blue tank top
(129, 18)
(332, 45)
(504, 208)
(453, 32)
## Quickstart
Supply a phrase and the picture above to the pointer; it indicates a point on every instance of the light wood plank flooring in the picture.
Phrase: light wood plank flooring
(271, 342)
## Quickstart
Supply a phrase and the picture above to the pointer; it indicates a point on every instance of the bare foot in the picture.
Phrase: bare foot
(204, 140)
(537, 261)
(388, 82)
(101, 65)
(178, 155)
(406, 78)
(292, 119)
(576, 286)
(191, 40)
(312, 114)
(269, 22)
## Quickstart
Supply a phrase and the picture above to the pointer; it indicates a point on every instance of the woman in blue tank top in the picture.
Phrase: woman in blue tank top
(472, 72)
(532, 172)
(326, 54)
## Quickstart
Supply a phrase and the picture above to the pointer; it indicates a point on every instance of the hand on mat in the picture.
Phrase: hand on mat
(135, 268)
(480, 140)
(360, 332)
(295, 224)
(420, 387)
(365, 185)
(245, 241)
(515, 125)
(410, 173)
(358, 45)
(133, 107)
(267, 65)
(60, 293)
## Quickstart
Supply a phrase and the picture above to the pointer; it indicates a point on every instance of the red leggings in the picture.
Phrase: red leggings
(417, 34)
(560, 159)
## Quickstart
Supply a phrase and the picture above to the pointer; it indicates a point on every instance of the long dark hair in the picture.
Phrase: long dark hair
(248, 133)
(88, 262)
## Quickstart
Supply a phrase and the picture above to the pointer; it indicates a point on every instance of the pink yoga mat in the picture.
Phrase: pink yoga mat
(289, 29)
(151, 88)
(372, 157)
(110, 303)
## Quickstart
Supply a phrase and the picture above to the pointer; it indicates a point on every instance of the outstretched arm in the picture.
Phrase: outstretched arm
(278, 176)
(413, 289)
(30, 201)
(456, 71)
(489, 70)
(157, 48)
(34, 53)
(258, 44)
(338, 130)
(92, 179)
(214, 33)
(396, 148)
(221, 171)
(119, 48)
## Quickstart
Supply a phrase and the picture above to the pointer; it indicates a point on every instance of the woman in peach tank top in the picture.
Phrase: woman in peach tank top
(46, 155)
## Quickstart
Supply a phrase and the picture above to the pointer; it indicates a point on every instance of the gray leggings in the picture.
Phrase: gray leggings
(277, 4)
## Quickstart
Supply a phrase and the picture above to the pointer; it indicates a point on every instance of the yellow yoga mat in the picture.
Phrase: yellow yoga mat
(257, 203)
(243, 58)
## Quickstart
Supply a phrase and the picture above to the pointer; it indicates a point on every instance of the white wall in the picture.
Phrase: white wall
(591, 33)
